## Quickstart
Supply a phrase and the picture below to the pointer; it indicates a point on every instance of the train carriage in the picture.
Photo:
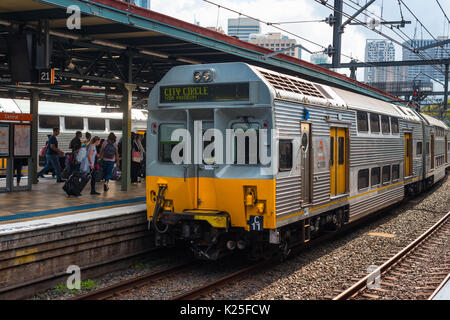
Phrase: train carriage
(335, 156)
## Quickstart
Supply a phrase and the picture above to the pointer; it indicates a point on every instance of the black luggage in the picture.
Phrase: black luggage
(76, 183)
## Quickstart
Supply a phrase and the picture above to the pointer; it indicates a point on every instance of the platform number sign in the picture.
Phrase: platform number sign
(256, 223)
(46, 76)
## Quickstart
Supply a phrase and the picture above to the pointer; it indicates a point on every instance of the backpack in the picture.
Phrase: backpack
(110, 150)
(81, 154)
(43, 151)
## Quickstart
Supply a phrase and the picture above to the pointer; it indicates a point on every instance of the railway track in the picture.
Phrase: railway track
(398, 277)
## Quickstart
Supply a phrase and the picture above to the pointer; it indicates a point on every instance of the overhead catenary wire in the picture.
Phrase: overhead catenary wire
(413, 49)
(376, 31)
(288, 32)
(411, 41)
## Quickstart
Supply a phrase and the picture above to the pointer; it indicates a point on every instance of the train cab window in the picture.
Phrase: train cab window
(247, 127)
(419, 148)
(96, 124)
(395, 172)
(374, 123)
(285, 149)
(74, 123)
(48, 122)
(385, 128)
(165, 141)
(386, 174)
(363, 179)
(363, 126)
(394, 125)
(375, 176)
(115, 124)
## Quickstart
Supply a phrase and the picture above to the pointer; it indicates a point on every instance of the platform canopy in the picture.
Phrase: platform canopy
(120, 43)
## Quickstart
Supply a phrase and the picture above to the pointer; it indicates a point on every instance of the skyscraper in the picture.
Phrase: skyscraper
(418, 72)
(276, 41)
(243, 27)
(379, 51)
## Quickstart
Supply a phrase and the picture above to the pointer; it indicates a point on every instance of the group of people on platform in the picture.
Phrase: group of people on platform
(101, 158)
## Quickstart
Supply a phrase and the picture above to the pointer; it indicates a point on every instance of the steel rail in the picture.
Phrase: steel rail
(362, 283)
(124, 286)
(196, 293)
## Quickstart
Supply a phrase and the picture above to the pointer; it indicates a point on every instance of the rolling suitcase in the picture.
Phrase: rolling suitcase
(76, 183)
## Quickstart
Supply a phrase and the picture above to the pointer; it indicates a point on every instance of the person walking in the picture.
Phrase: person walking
(135, 159)
(75, 143)
(110, 155)
(88, 165)
(85, 142)
(52, 159)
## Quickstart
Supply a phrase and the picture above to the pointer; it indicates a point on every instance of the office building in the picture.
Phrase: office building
(379, 51)
(243, 27)
(276, 41)
(143, 3)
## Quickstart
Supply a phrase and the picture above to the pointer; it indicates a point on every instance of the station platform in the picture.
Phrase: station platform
(443, 292)
(48, 199)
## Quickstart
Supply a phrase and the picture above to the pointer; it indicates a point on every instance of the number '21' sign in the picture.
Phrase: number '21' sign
(46, 76)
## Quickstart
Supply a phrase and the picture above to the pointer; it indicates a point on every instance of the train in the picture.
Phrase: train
(68, 118)
(246, 159)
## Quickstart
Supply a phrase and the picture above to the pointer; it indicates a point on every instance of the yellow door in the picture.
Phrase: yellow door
(408, 156)
(432, 152)
(338, 159)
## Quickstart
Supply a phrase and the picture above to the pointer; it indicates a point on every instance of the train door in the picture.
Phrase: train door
(338, 160)
(306, 162)
(408, 154)
(432, 151)
(205, 194)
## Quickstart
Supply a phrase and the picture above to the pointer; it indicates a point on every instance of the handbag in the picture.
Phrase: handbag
(135, 156)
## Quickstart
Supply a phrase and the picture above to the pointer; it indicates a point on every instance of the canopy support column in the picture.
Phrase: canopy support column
(34, 110)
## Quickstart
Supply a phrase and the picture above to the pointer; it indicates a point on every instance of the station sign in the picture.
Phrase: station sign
(46, 76)
(4, 116)
(205, 93)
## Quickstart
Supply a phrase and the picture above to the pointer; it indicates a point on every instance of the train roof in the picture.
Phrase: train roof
(66, 109)
(434, 122)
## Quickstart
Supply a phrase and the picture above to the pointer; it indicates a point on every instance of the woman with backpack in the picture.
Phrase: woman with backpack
(110, 155)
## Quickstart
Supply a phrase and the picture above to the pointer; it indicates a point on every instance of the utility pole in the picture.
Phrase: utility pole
(337, 33)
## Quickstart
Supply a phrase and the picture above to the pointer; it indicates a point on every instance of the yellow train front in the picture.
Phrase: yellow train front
(221, 202)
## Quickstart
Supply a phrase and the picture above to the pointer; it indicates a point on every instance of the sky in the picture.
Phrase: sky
(353, 39)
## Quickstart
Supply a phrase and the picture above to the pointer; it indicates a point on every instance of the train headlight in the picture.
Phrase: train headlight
(197, 76)
(204, 75)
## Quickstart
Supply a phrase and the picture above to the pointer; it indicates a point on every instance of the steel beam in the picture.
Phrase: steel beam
(337, 33)
(389, 63)
(126, 136)
(444, 107)
(357, 13)
(34, 110)
(147, 20)
(436, 44)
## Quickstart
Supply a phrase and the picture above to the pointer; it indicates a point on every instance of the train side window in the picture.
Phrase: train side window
(374, 123)
(165, 141)
(394, 125)
(285, 149)
(363, 126)
(385, 128)
(375, 176)
(115, 124)
(386, 175)
(74, 123)
(96, 124)
(341, 150)
(331, 151)
(419, 148)
(363, 179)
(395, 172)
(48, 122)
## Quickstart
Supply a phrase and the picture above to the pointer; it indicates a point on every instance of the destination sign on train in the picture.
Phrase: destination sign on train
(205, 93)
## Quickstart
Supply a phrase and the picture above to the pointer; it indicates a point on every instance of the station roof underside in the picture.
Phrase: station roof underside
(120, 43)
